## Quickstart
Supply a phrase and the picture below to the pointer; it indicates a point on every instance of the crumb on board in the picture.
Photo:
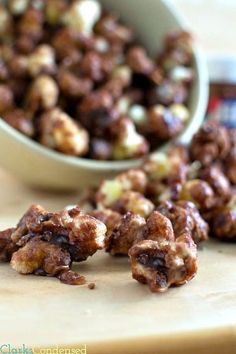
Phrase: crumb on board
(91, 286)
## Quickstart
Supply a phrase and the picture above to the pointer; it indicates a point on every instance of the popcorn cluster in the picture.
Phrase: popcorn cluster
(159, 213)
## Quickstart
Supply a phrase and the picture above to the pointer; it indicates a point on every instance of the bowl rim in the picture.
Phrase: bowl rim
(183, 137)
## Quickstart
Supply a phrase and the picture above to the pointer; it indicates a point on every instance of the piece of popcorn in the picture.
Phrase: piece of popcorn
(138, 114)
(180, 111)
(129, 142)
(158, 166)
(59, 131)
(82, 15)
(5, 22)
(111, 191)
(43, 93)
(181, 74)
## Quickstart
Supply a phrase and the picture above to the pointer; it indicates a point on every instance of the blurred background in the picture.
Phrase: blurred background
(214, 23)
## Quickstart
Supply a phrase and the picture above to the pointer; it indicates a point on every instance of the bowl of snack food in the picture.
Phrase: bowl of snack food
(88, 89)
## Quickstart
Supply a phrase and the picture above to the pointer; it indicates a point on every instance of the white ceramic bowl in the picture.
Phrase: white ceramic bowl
(42, 167)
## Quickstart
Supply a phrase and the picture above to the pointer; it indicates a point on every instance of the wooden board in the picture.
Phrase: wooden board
(119, 315)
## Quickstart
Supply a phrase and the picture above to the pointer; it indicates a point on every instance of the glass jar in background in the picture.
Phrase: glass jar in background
(222, 99)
